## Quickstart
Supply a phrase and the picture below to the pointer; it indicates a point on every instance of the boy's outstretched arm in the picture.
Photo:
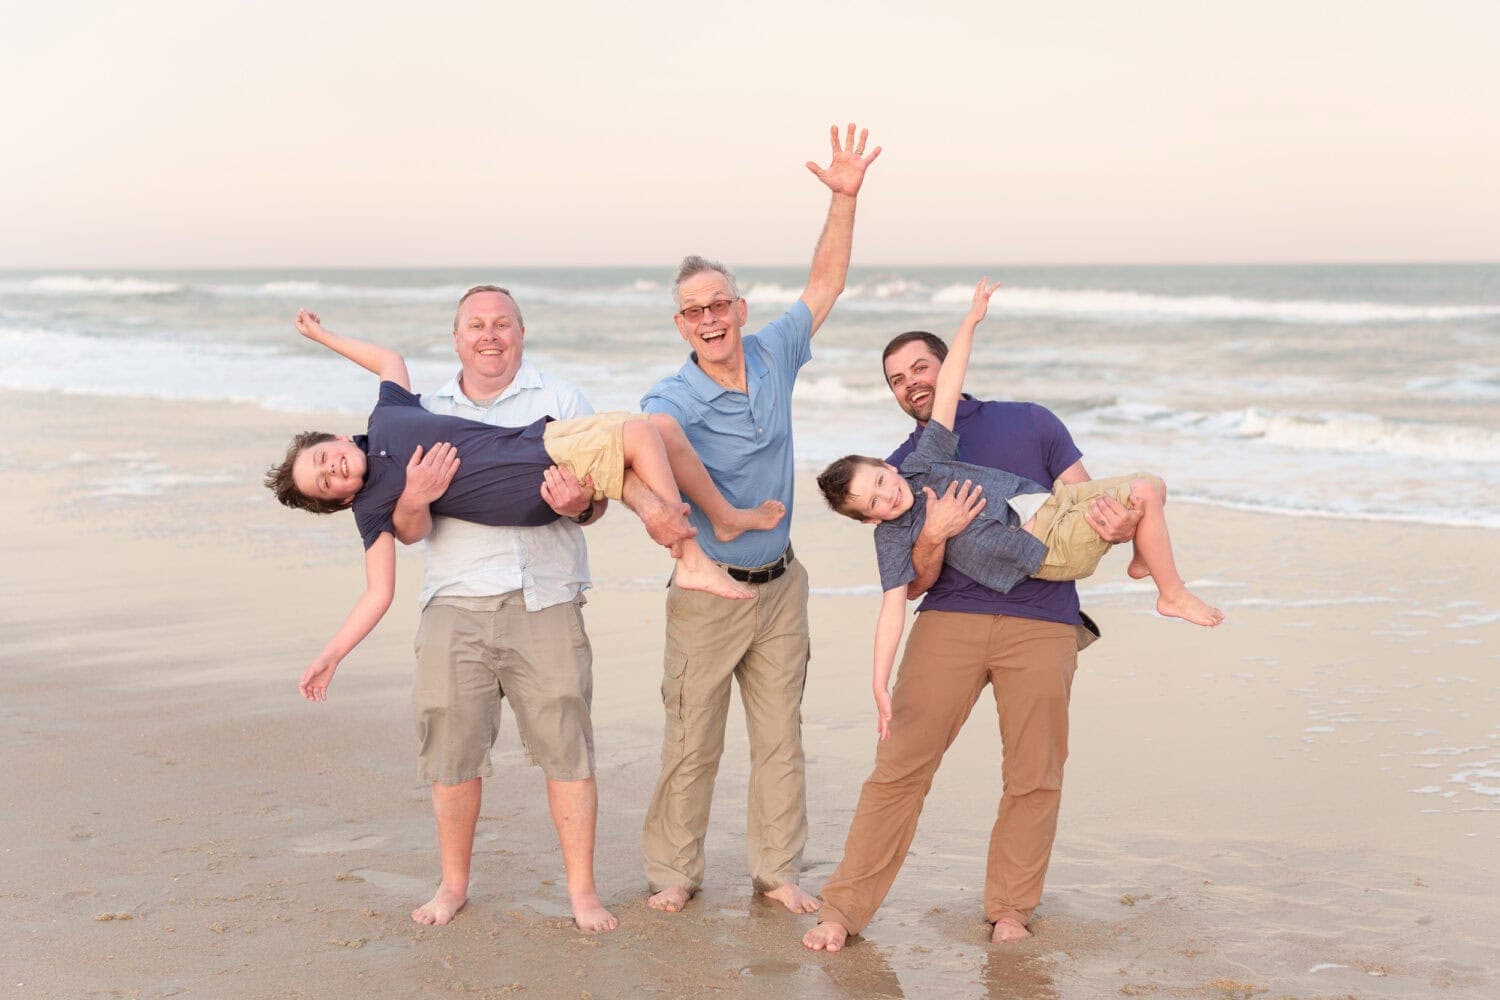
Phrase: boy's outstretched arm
(388, 364)
(950, 380)
(888, 629)
(380, 587)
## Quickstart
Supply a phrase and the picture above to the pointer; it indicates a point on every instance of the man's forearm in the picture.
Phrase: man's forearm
(412, 521)
(927, 561)
(830, 264)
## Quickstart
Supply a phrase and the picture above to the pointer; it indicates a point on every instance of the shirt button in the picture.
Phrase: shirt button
(382, 454)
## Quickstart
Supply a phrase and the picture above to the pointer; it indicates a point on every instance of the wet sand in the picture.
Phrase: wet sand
(1303, 803)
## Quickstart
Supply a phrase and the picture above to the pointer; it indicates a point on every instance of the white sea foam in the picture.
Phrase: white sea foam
(770, 291)
(1359, 432)
(311, 293)
(163, 369)
(1481, 778)
(78, 284)
(1125, 306)
(1352, 433)
(861, 590)
(1446, 518)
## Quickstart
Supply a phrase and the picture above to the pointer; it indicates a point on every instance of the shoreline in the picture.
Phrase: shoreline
(1244, 805)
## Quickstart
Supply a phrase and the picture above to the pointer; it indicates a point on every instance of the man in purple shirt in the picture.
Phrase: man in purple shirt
(1024, 643)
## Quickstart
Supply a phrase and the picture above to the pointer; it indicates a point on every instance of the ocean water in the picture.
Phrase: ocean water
(1365, 391)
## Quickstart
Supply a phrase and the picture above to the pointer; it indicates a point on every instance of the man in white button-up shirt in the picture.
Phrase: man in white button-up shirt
(500, 619)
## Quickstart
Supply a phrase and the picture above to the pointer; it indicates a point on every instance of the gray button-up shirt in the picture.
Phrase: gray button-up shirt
(993, 550)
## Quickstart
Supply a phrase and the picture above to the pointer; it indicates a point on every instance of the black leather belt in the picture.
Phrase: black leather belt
(761, 574)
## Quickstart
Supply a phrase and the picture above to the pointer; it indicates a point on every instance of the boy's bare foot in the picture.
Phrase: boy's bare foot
(696, 572)
(441, 908)
(793, 897)
(670, 900)
(762, 518)
(589, 914)
(1183, 604)
(1008, 929)
(826, 937)
(1137, 569)
(666, 523)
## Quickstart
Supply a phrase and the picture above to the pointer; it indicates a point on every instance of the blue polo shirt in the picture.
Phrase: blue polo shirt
(1027, 440)
(744, 439)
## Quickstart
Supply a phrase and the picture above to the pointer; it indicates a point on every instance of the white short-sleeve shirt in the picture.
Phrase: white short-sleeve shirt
(549, 564)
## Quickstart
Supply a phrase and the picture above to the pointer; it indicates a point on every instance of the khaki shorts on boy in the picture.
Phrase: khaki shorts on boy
(472, 652)
(1073, 548)
(592, 446)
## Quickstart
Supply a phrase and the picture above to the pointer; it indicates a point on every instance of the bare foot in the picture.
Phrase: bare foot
(666, 523)
(441, 908)
(790, 895)
(1137, 569)
(1183, 604)
(1008, 929)
(670, 900)
(696, 572)
(826, 937)
(768, 515)
(590, 915)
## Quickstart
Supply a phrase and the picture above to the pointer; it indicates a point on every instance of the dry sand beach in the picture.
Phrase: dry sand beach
(1304, 803)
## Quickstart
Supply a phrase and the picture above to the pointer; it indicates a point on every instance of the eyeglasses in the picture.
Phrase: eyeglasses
(718, 307)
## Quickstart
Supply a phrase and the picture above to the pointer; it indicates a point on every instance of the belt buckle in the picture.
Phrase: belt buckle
(763, 574)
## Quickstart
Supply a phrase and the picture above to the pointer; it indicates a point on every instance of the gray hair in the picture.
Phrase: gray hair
(520, 320)
(692, 266)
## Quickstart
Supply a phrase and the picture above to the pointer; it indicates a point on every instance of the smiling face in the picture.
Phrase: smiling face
(488, 337)
(715, 339)
(911, 371)
(877, 492)
(331, 470)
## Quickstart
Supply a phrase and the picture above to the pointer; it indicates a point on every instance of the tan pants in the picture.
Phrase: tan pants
(949, 658)
(762, 643)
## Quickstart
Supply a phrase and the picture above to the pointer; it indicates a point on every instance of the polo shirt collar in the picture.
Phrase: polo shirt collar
(706, 388)
(527, 377)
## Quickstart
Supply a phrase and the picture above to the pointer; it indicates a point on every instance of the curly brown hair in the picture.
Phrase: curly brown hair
(279, 477)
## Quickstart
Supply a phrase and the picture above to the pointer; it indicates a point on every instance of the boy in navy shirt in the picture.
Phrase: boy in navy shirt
(497, 474)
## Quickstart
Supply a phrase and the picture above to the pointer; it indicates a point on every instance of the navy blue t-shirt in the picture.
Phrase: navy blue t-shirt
(1025, 439)
(500, 469)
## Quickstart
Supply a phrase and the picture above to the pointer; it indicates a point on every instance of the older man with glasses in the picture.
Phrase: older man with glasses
(733, 398)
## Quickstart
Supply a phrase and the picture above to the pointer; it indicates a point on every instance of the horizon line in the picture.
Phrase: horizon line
(668, 265)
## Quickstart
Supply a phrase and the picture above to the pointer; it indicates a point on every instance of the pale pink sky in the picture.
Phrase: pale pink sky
(307, 133)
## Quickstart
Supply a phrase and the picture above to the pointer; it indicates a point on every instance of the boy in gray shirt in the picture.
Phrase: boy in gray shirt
(1036, 532)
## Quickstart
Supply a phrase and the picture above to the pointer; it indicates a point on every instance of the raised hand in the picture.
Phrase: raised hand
(309, 325)
(981, 303)
(428, 476)
(846, 171)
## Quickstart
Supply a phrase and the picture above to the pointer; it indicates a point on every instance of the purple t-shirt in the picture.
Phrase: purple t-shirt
(500, 469)
(1027, 440)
